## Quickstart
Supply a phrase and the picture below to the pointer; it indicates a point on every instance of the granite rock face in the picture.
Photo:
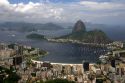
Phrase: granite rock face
(79, 27)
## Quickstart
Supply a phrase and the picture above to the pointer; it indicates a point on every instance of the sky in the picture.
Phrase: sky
(40, 11)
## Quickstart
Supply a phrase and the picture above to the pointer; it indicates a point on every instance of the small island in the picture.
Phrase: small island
(36, 36)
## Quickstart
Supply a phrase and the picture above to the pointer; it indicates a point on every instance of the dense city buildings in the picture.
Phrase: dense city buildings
(110, 68)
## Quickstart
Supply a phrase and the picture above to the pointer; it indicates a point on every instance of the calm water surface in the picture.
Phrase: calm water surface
(58, 52)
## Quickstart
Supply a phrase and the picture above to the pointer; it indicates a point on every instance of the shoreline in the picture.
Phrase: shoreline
(75, 42)
(37, 57)
(40, 62)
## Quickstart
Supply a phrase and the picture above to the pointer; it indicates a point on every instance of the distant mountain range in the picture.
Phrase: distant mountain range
(115, 32)
(23, 26)
(28, 27)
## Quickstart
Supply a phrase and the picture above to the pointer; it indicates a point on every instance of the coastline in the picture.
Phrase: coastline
(36, 57)
(54, 63)
(75, 42)
(39, 62)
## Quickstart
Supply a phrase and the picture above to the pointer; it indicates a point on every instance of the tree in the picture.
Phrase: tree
(8, 76)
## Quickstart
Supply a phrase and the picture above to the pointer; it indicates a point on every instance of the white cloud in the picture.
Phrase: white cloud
(22, 8)
(30, 10)
(102, 5)
(70, 12)
(4, 2)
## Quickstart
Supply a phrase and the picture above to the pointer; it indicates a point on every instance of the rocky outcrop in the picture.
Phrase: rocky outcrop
(79, 27)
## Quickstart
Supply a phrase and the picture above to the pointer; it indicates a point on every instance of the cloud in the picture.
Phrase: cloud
(102, 5)
(4, 2)
(30, 10)
(92, 10)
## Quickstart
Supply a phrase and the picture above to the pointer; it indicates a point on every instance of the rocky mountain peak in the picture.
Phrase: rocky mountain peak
(79, 26)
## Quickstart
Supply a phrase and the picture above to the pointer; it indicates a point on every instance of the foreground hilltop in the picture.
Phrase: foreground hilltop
(79, 33)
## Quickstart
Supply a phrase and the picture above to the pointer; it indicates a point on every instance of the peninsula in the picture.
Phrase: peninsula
(79, 33)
